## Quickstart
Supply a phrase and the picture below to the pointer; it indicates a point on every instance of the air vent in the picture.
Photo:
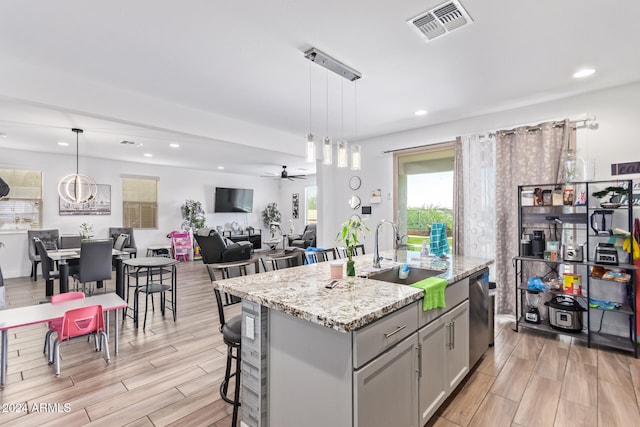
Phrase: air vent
(440, 20)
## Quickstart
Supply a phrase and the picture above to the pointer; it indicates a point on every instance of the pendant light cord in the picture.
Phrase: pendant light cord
(327, 105)
(77, 154)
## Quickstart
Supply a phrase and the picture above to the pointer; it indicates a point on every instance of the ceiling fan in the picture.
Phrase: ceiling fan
(285, 175)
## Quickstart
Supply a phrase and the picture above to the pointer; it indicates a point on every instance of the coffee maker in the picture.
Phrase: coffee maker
(538, 243)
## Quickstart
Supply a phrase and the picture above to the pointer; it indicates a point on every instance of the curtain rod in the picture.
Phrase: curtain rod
(589, 123)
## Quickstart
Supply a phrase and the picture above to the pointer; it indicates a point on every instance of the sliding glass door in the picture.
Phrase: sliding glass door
(424, 192)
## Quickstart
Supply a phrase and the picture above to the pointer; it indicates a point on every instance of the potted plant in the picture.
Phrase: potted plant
(614, 193)
(86, 231)
(192, 215)
(270, 214)
(352, 233)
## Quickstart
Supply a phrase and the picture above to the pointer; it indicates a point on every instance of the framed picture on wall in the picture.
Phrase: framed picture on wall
(295, 205)
(99, 205)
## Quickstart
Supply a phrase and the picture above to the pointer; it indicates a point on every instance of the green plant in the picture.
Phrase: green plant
(613, 191)
(270, 214)
(86, 231)
(193, 214)
(352, 233)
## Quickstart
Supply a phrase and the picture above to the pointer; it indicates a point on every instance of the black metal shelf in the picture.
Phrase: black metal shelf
(576, 220)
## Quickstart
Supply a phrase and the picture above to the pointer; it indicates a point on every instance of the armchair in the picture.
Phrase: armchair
(50, 240)
(308, 238)
(214, 249)
(130, 246)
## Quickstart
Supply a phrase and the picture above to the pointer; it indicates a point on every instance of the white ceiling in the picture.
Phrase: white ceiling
(229, 82)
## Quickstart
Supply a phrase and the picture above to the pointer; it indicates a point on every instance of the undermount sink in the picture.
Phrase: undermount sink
(415, 275)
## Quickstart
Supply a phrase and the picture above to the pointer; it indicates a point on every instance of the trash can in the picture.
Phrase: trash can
(492, 309)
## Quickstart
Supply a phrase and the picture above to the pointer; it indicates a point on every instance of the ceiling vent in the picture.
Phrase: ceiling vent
(440, 20)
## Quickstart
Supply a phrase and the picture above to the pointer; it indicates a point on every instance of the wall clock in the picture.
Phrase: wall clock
(354, 182)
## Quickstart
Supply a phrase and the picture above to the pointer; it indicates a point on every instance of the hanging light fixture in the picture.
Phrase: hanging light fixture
(356, 157)
(76, 188)
(327, 148)
(324, 60)
(343, 159)
(310, 147)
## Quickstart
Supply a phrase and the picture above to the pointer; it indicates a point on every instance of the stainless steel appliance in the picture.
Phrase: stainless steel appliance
(606, 253)
(573, 253)
(478, 315)
(565, 313)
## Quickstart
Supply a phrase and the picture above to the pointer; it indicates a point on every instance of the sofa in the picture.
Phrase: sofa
(216, 249)
(304, 240)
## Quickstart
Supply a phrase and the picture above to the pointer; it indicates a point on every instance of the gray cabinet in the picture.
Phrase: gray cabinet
(386, 389)
(444, 358)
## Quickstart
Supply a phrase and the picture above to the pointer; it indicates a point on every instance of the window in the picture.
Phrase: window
(424, 182)
(140, 202)
(311, 211)
(21, 208)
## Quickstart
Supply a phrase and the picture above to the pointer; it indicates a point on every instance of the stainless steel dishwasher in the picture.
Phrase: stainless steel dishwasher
(478, 315)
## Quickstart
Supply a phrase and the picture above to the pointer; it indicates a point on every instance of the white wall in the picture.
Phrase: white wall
(617, 111)
(174, 187)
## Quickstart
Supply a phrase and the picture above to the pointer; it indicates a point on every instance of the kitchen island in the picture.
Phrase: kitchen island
(353, 355)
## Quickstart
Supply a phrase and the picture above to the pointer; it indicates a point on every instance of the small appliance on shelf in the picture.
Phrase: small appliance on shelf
(606, 253)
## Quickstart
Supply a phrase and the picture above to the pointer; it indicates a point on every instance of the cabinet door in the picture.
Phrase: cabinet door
(456, 324)
(433, 382)
(386, 389)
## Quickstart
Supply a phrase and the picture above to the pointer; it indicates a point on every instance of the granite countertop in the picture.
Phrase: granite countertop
(355, 301)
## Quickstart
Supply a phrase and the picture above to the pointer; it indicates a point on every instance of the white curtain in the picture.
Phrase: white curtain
(475, 196)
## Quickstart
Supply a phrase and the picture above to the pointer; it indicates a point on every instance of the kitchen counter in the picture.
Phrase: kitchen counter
(356, 301)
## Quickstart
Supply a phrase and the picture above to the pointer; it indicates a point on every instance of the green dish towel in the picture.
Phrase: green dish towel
(433, 288)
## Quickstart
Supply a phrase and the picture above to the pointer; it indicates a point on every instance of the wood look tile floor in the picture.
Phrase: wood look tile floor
(169, 374)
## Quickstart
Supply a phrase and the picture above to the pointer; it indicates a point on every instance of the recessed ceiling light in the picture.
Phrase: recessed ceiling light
(174, 145)
(148, 155)
(63, 144)
(421, 113)
(220, 167)
(585, 72)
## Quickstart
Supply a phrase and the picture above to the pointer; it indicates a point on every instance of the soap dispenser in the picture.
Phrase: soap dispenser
(424, 252)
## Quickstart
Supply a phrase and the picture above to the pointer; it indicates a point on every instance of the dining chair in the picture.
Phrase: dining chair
(50, 241)
(322, 255)
(47, 266)
(129, 247)
(95, 263)
(82, 322)
(70, 242)
(231, 335)
(342, 251)
(55, 324)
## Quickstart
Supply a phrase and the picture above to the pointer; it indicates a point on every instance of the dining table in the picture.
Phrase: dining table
(43, 313)
(150, 267)
(63, 255)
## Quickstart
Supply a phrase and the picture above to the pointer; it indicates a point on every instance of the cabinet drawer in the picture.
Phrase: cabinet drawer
(454, 294)
(375, 338)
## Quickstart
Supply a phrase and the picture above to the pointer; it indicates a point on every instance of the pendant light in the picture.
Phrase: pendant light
(356, 157)
(329, 63)
(310, 147)
(327, 148)
(75, 188)
(343, 159)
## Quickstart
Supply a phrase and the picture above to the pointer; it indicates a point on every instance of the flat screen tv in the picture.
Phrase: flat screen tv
(233, 200)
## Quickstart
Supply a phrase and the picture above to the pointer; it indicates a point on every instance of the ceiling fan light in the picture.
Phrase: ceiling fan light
(310, 149)
(343, 156)
(356, 159)
(327, 151)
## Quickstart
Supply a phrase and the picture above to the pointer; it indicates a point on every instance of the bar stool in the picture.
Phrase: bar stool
(231, 335)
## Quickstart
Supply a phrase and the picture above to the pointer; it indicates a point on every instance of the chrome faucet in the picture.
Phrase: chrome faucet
(376, 252)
